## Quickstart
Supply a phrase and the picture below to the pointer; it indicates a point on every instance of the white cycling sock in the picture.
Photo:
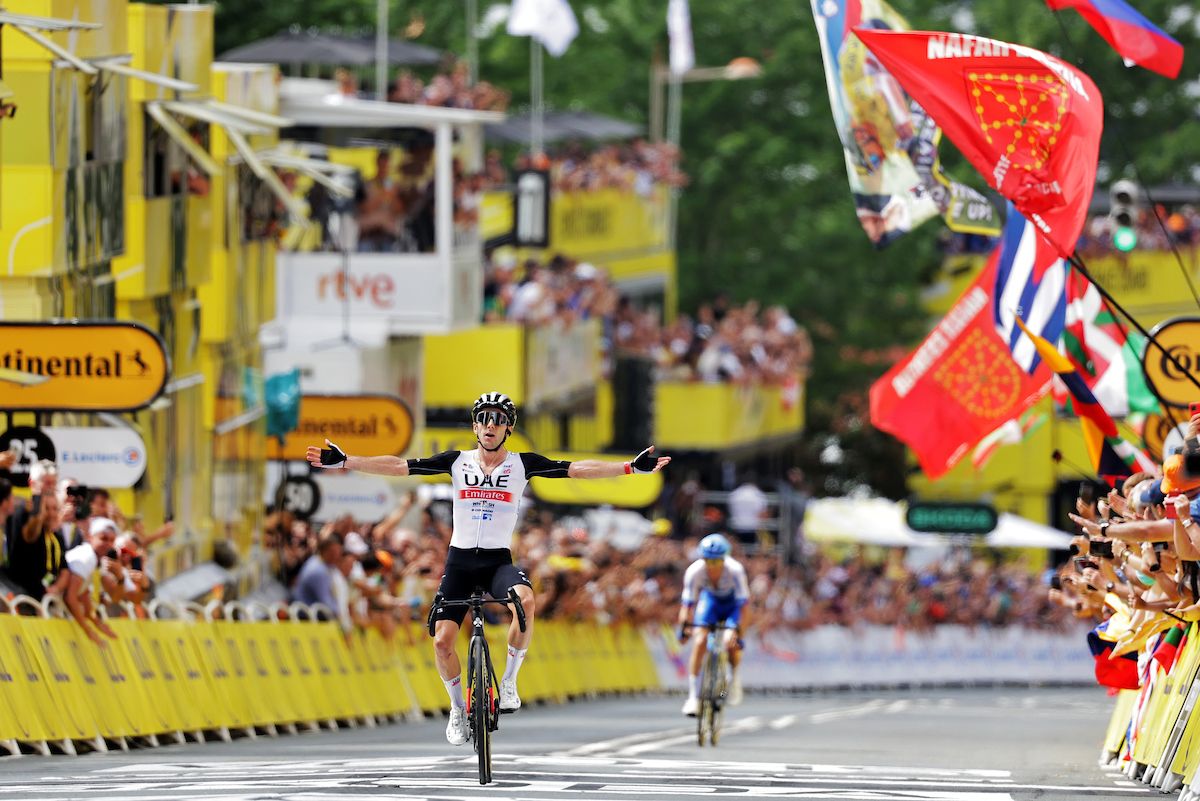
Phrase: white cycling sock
(454, 690)
(516, 656)
(693, 686)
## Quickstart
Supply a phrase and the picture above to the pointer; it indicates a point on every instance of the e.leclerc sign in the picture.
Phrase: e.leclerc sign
(951, 518)
(110, 366)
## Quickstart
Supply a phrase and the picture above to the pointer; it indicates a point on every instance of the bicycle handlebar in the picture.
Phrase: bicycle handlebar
(474, 603)
(688, 625)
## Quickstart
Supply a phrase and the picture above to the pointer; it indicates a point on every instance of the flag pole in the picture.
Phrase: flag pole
(537, 116)
(472, 42)
(1077, 262)
(381, 49)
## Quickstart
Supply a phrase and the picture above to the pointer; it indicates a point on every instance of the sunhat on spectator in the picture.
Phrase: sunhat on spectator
(1174, 478)
(101, 524)
(585, 271)
(355, 545)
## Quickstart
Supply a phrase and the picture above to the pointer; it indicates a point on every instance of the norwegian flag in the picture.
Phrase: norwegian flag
(1030, 284)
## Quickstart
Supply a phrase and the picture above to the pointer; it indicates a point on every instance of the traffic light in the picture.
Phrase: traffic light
(1123, 211)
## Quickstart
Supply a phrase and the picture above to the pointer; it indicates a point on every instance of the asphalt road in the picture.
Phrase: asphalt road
(944, 745)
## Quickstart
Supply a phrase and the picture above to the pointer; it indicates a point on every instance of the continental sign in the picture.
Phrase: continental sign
(80, 367)
(364, 425)
(1175, 373)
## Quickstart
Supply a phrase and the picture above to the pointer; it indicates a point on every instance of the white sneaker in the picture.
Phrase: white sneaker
(456, 729)
(509, 700)
(691, 707)
(735, 690)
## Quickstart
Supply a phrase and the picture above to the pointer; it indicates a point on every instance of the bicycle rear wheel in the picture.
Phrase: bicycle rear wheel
(481, 708)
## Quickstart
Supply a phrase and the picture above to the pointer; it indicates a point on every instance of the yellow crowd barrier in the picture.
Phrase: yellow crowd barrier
(1154, 732)
(255, 671)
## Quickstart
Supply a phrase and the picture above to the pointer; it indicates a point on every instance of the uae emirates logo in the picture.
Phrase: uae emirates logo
(981, 376)
(1021, 114)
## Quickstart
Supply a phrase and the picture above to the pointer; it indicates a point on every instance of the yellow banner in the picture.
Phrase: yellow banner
(719, 416)
(628, 492)
(590, 224)
(488, 358)
(358, 424)
(80, 367)
(561, 363)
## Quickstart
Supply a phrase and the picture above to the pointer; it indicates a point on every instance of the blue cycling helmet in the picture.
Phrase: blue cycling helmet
(714, 546)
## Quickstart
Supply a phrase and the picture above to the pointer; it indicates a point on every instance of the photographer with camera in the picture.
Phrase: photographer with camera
(36, 556)
(43, 480)
(72, 500)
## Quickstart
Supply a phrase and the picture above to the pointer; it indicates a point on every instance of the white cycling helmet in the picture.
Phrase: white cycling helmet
(495, 400)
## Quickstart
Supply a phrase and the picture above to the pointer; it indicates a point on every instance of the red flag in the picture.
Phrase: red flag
(958, 386)
(1027, 121)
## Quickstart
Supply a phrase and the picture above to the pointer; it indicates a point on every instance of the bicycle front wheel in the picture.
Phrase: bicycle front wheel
(708, 701)
(481, 708)
(720, 666)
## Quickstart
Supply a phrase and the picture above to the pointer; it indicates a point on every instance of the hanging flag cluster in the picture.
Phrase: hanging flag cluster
(890, 143)
(1113, 458)
(1137, 39)
(958, 386)
(1106, 354)
(1027, 121)
(1030, 284)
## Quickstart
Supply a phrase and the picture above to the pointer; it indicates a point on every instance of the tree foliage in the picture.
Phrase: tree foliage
(768, 214)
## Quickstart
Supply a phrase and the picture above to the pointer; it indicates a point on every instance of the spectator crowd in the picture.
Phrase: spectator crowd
(722, 342)
(383, 573)
(1135, 569)
(73, 543)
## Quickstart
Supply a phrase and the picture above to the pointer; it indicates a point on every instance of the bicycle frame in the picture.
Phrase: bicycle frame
(483, 690)
(713, 683)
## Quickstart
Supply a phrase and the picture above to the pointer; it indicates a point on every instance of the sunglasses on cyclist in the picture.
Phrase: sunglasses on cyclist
(499, 418)
(720, 560)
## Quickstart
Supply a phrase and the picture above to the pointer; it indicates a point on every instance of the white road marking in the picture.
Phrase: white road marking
(847, 712)
(737, 727)
(783, 722)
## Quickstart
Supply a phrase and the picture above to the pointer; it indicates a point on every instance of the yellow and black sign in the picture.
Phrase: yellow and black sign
(80, 366)
(364, 425)
(1174, 374)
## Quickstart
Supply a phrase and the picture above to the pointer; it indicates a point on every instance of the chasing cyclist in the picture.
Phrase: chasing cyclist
(716, 586)
(488, 484)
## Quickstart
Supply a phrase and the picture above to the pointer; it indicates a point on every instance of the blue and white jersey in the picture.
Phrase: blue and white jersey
(731, 585)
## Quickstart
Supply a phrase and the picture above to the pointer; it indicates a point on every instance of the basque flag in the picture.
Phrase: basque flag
(1137, 39)
(1031, 282)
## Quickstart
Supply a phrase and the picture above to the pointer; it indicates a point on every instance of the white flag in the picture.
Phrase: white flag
(551, 22)
(679, 28)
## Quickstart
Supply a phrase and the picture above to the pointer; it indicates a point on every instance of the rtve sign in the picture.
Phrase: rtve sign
(107, 366)
(1175, 381)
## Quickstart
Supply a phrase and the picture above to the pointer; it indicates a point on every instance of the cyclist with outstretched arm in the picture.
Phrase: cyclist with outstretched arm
(715, 586)
(488, 484)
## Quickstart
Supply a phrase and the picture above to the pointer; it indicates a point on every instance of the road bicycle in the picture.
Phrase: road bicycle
(483, 688)
(714, 681)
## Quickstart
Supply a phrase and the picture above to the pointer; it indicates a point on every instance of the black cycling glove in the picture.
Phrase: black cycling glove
(644, 462)
(332, 456)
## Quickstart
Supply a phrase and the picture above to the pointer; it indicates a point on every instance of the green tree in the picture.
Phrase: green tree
(768, 213)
